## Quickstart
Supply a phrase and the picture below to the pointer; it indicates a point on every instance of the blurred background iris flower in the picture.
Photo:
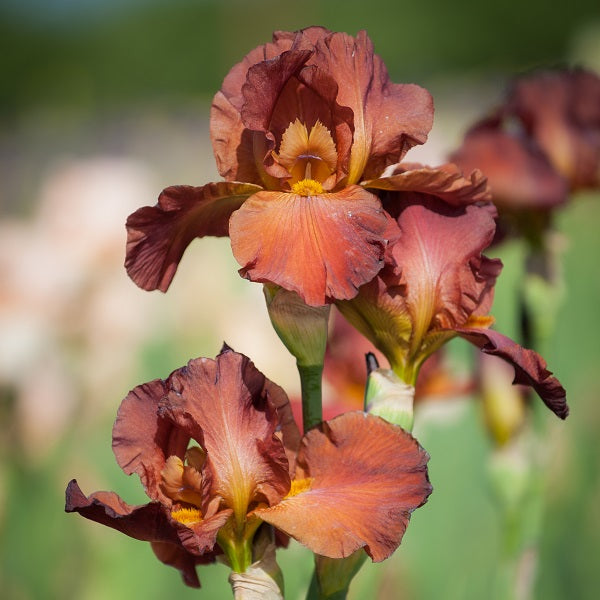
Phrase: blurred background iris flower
(103, 104)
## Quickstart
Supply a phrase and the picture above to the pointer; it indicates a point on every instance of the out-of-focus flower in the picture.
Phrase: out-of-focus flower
(297, 128)
(437, 285)
(541, 143)
(248, 465)
(560, 110)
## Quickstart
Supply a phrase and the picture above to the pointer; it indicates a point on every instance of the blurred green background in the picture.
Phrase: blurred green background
(104, 103)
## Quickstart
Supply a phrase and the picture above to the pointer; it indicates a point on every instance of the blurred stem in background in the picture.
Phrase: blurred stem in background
(517, 469)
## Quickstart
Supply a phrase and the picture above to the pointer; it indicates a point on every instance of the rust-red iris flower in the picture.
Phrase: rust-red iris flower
(542, 142)
(297, 128)
(437, 284)
(218, 453)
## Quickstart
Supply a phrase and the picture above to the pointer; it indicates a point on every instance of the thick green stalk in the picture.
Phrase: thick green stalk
(310, 382)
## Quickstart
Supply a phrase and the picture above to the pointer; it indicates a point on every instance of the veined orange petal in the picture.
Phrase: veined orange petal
(322, 247)
(388, 118)
(367, 478)
(224, 404)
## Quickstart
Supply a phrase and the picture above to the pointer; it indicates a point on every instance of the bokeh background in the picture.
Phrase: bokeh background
(105, 102)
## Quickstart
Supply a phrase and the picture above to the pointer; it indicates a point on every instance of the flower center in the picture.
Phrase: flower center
(307, 187)
(187, 516)
(307, 156)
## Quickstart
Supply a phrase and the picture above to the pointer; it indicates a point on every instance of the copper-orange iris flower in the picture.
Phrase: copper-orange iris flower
(541, 143)
(350, 483)
(437, 284)
(298, 128)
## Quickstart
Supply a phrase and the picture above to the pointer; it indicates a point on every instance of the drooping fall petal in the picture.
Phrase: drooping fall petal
(389, 118)
(446, 182)
(222, 404)
(147, 523)
(157, 236)
(142, 441)
(366, 477)
(322, 247)
(530, 367)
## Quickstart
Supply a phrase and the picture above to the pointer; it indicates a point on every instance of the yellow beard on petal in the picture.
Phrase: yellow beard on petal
(307, 187)
(299, 486)
(187, 516)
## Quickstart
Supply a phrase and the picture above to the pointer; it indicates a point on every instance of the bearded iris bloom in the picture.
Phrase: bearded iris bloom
(218, 453)
(298, 128)
(437, 285)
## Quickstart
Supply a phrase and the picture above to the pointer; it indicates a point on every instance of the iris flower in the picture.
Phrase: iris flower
(437, 285)
(218, 453)
(541, 143)
(298, 128)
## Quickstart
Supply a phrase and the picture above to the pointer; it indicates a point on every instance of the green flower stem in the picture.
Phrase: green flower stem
(332, 577)
(310, 383)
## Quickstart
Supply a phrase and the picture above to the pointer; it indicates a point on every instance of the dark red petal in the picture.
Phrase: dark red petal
(388, 118)
(530, 367)
(321, 247)
(368, 477)
(561, 111)
(520, 176)
(232, 141)
(142, 441)
(446, 182)
(148, 522)
(157, 236)
(180, 559)
(223, 405)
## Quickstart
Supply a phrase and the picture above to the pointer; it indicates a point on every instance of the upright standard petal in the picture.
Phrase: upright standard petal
(223, 404)
(157, 236)
(530, 367)
(389, 118)
(439, 258)
(142, 441)
(354, 497)
(323, 247)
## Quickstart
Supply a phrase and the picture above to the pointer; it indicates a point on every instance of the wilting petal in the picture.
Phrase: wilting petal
(520, 176)
(367, 478)
(561, 111)
(530, 367)
(142, 441)
(223, 404)
(157, 236)
(321, 247)
(389, 118)
(446, 182)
